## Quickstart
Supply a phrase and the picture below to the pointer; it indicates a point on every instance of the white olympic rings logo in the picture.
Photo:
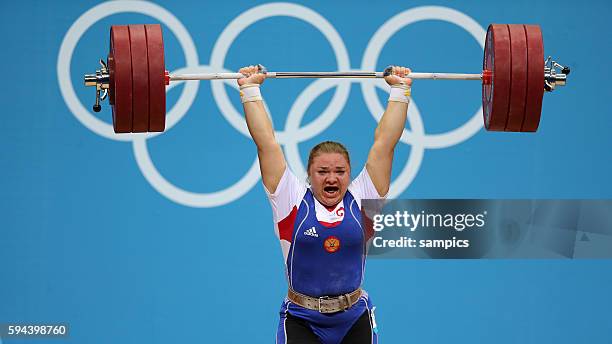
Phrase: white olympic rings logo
(292, 134)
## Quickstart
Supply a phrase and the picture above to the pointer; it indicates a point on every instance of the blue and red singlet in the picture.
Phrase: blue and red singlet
(324, 251)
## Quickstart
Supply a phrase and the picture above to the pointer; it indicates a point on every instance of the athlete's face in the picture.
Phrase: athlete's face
(330, 176)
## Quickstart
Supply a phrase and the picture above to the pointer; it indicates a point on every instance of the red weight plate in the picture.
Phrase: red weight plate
(140, 79)
(122, 78)
(535, 78)
(157, 82)
(496, 95)
(518, 88)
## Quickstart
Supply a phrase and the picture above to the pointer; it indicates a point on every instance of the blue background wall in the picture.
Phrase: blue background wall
(86, 239)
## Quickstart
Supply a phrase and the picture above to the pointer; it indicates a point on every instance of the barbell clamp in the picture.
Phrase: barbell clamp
(101, 81)
(555, 74)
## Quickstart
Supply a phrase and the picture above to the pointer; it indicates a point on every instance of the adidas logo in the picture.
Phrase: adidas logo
(311, 232)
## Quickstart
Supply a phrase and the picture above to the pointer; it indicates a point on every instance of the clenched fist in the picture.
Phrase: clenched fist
(397, 75)
(253, 75)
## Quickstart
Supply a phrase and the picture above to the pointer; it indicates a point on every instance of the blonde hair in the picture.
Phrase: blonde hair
(328, 147)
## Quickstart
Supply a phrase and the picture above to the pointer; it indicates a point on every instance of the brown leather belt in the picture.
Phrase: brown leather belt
(325, 304)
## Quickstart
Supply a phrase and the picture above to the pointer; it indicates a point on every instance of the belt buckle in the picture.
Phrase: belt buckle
(347, 299)
(322, 298)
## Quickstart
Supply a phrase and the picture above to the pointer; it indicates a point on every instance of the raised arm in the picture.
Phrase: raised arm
(389, 129)
(271, 160)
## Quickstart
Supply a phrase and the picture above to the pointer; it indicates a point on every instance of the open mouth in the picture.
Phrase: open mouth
(331, 191)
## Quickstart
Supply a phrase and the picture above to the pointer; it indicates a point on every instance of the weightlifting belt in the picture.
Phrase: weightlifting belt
(325, 304)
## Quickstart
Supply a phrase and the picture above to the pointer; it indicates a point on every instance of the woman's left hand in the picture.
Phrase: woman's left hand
(397, 75)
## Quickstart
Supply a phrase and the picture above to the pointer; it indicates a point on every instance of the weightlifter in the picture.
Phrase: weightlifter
(319, 223)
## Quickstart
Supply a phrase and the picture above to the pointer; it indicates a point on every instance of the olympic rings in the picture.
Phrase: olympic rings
(239, 24)
(178, 195)
(381, 37)
(297, 111)
(292, 134)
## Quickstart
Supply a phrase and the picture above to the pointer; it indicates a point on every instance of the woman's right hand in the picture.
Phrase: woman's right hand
(253, 75)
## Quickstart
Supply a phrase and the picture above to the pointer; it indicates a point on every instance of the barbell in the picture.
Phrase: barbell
(514, 78)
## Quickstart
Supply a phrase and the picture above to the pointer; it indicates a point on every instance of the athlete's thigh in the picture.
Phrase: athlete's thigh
(294, 330)
(361, 331)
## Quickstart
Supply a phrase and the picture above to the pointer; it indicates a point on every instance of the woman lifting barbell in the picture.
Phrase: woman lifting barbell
(319, 225)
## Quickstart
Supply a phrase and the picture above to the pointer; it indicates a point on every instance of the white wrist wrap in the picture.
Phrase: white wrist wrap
(250, 93)
(400, 93)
